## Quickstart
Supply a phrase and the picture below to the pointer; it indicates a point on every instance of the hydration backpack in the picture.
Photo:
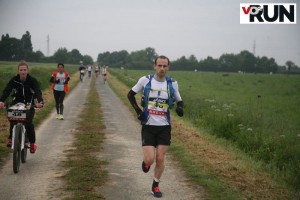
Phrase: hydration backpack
(170, 89)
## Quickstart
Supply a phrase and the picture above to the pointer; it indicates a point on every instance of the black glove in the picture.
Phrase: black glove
(140, 115)
(57, 81)
(179, 109)
(67, 80)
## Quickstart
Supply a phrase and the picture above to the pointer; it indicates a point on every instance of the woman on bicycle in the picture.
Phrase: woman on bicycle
(26, 89)
(60, 87)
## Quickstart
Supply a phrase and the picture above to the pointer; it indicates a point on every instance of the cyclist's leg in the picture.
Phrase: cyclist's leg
(11, 126)
(30, 127)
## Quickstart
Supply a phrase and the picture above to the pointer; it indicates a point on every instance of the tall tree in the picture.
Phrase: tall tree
(26, 41)
(26, 47)
(61, 55)
(247, 61)
(151, 54)
(75, 57)
(290, 65)
(87, 60)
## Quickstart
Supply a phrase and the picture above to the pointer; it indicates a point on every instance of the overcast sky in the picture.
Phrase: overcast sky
(173, 28)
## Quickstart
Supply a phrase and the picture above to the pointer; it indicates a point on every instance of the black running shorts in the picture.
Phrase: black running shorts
(156, 135)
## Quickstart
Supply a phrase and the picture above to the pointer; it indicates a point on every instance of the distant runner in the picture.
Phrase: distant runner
(97, 68)
(81, 72)
(60, 87)
(104, 73)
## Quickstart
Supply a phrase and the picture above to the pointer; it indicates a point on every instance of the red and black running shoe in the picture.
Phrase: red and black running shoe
(156, 192)
(145, 167)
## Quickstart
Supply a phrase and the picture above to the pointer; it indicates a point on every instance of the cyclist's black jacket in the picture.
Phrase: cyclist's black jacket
(22, 91)
(81, 68)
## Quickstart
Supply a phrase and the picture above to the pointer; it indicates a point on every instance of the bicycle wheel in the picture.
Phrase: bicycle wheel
(24, 151)
(17, 148)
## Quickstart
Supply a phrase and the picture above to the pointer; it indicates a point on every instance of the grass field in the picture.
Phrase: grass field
(258, 113)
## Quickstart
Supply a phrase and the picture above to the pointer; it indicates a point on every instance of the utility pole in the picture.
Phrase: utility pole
(48, 47)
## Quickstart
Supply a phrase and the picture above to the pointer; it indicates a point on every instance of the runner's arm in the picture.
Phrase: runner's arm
(52, 80)
(67, 80)
(179, 108)
(7, 90)
(131, 97)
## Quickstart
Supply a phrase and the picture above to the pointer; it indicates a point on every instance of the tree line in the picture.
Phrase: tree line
(13, 49)
(244, 61)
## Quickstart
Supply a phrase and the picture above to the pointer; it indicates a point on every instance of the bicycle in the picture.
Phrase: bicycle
(81, 75)
(18, 115)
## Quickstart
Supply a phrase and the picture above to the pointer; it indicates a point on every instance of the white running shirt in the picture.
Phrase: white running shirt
(158, 96)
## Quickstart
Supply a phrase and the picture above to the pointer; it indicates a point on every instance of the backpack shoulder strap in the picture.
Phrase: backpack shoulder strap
(170, 90)
(147, 90)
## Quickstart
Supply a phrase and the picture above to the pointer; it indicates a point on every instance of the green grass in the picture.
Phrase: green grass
(215, 188)
(85, 171)
(258, 113)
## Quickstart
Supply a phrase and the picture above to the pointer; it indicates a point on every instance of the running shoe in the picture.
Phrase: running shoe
(9, 142)
(57, 116)
(33, 147)
(155, 191)
(61, 117)
(145, 167)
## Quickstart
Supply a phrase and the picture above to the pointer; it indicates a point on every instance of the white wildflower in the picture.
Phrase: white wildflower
(210, 100)
(226, 106)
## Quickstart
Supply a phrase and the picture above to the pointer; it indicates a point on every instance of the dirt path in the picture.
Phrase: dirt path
(38, 177)
(123, 150)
